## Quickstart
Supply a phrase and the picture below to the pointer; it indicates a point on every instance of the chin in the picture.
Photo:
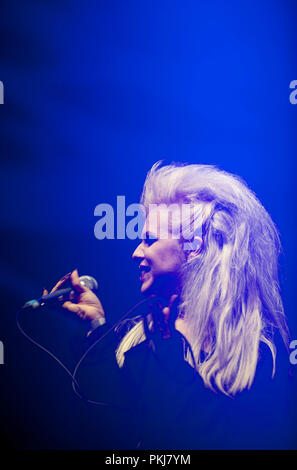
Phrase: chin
(147, 288)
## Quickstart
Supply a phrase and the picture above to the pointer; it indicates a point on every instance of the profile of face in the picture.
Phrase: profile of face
(160, 255)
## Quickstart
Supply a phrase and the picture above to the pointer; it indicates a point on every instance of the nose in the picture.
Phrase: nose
(138, 253)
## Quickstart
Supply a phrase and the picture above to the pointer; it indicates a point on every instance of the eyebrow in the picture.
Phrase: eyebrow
(149, 236)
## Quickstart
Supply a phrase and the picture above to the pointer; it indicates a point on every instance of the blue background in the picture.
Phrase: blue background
(95, 93)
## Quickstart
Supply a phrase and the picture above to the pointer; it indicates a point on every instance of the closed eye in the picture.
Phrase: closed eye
(149, 239)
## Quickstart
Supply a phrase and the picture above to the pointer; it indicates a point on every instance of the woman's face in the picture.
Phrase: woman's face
(160, 256)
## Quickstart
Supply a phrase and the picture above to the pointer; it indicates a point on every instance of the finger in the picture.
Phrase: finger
(62, 281)
(172, 300)
(76, 282)
(168, 312)
(44, 292)
(170, 307)
(157, 314)
(75, 308)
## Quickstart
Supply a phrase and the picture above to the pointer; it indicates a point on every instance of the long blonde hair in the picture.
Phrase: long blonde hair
(230, 297)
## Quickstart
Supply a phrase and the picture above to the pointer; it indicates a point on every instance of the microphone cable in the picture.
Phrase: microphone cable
(75, 385)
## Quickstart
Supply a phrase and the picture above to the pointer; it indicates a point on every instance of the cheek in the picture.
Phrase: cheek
(170, 259)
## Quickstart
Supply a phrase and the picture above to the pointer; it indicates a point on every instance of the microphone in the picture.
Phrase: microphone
(62, 295)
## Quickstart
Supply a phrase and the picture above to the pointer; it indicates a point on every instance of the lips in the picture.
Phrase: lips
(143, 271)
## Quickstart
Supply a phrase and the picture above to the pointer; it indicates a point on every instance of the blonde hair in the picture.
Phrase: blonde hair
(230, 298)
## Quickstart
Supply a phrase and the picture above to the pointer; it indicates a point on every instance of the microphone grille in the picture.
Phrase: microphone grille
(89, 282)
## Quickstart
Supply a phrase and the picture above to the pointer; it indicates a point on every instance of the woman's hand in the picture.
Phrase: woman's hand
(87, 306)
(164, 315)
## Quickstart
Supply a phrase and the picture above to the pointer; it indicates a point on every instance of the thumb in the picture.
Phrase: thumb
(76, 282)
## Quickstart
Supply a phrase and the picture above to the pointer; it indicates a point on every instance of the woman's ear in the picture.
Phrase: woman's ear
(196, 247)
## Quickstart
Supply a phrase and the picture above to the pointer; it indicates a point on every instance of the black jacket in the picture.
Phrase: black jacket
(157, 400)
